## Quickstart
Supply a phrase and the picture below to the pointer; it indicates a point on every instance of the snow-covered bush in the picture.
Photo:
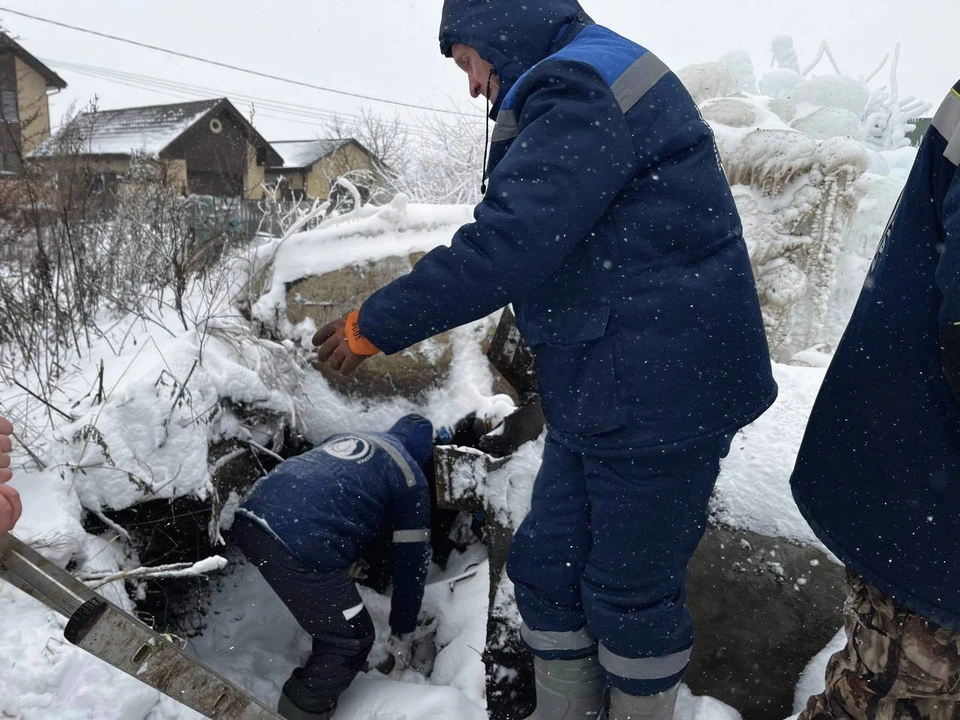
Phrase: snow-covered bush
(811, 160)
(129, 357)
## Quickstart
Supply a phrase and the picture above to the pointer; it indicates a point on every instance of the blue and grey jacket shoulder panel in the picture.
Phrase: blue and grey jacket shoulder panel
(947, 123)
(629, 69)
(359, 448)
(412, 474)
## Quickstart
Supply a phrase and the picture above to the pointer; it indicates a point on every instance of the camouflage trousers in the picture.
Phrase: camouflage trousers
(896, 664)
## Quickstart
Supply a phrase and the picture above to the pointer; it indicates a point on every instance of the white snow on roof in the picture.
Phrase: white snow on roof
(304, 153)
(146, 130)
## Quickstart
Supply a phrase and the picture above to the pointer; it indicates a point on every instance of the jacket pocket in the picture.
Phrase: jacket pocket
(575, 367)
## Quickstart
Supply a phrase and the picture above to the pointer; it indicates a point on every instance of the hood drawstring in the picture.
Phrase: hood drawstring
(486, 137)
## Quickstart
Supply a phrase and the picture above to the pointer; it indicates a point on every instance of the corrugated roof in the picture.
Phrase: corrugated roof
(300, 154)
(147, 130)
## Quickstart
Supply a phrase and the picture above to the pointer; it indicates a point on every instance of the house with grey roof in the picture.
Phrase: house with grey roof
(206, 147)
(310, 167)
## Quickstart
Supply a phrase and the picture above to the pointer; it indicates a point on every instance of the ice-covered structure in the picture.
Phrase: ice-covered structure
(815, 163)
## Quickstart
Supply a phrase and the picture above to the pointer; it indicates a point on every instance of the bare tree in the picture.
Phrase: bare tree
(387, 138)
(437, 161)
(448, 167)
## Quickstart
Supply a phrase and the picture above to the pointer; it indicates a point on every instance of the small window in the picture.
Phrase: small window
(11, 162)
(261, 156)
(8, 106)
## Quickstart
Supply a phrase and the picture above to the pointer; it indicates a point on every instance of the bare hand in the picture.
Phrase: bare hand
(333, 349)
(10, 508)
(6, 445)
(10, 505)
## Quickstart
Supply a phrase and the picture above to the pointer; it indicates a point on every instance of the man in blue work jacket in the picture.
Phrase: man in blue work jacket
(305, 524)
(609, 225)
(878, 474)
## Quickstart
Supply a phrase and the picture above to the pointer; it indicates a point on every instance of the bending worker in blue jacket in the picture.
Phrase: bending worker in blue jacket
(304, 525)
(878, 474)
(609, 225)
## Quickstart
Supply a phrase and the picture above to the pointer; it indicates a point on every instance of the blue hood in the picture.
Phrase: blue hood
(416, 434)
(510, 35)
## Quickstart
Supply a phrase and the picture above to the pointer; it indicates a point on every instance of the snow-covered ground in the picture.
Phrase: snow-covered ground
(753, 492)
(251, 638)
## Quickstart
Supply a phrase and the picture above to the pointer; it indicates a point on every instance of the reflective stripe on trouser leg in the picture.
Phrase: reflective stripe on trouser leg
(542, 641)
(549, 551)
(350, 613)
(647, 517)
(644, 668)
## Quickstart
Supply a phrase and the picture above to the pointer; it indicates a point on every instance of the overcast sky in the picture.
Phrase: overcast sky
(388, 48)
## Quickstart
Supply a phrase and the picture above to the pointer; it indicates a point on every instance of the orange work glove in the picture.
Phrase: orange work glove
(341, 344)
(355, 339)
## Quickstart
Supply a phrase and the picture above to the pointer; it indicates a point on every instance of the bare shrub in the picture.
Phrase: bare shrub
(77, 240)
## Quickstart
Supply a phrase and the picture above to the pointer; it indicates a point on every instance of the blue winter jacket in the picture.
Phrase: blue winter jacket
(878, 475)
(609, 225)
(325, 504)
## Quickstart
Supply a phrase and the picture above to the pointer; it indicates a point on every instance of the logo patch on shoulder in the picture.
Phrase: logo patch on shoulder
(350, 448)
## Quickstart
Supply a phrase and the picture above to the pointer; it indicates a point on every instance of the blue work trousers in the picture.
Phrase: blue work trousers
(600, 562)
(326, 604)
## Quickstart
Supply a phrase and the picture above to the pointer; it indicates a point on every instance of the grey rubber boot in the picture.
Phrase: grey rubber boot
(643, 707)
(569, 689)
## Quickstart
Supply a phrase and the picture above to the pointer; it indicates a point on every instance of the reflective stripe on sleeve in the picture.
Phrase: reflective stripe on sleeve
(398, 459)
(638, 79)
(947, 123)
(411, 536)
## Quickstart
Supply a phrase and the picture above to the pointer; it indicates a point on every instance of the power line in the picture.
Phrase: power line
(227, 66)
(180, 90)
